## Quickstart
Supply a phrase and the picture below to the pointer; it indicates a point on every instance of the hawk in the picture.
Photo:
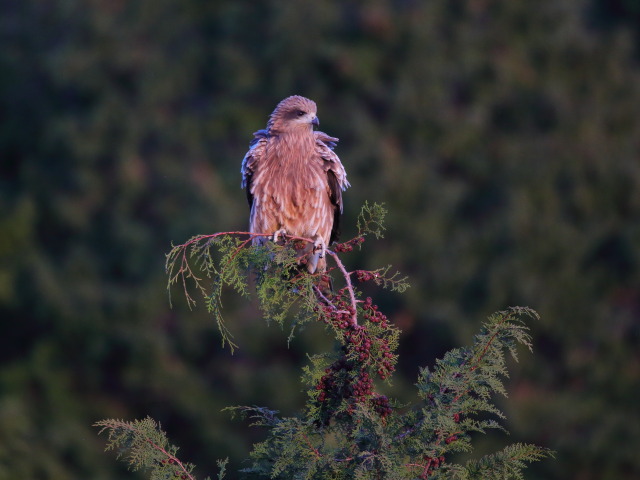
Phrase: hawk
(294, 180)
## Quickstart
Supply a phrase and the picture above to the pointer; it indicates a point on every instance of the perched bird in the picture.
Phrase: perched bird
(294, 180)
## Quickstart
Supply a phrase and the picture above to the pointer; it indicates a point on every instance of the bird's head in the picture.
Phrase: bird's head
(293, 113)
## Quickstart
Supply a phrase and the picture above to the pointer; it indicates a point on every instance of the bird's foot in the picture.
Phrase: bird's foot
(319, 246)
(279, 233)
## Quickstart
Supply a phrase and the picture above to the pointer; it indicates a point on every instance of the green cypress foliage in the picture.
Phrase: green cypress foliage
(346, 430)
(144, 445)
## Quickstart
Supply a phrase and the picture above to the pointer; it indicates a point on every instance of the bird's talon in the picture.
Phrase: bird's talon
(319, 245)
(282, 232)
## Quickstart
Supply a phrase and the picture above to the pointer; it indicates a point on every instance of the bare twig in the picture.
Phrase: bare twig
(347, 278)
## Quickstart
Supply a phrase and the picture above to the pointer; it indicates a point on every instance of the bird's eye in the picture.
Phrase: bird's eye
(300, 113)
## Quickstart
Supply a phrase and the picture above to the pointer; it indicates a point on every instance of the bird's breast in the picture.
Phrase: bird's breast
(293, 192)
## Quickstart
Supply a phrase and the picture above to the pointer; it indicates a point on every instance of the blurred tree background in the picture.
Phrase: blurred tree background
(503, 136)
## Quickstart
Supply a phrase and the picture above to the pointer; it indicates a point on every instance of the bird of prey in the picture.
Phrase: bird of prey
(294, 180)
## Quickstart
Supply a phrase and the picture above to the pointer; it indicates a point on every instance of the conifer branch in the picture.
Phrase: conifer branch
(347, 429)
(347, 279)
(146, 446)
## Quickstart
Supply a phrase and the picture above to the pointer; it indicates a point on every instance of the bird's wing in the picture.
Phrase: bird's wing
(256, 151)
(336, 177)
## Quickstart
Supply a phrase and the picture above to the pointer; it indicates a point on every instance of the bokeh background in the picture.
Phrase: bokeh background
(503, 136)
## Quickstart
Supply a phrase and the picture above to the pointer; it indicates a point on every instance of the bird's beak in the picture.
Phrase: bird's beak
(315, 121)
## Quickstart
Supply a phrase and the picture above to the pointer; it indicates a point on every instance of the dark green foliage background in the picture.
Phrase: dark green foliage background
(503, 136)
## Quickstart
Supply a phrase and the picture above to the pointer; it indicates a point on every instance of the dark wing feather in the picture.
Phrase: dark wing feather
(336, 177)
(336, 200)
(250, 160)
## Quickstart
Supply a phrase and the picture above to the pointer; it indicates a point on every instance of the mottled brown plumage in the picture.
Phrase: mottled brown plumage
(293, 179)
